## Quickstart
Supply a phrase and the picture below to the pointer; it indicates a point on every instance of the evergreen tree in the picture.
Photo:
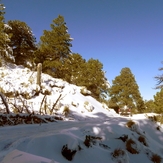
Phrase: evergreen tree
(54, 46)
(72, 68)
(158, 101)
(94, 78)
(149, 106)
(125, 91)
(77, 71)
(22, 42)
(5, 49)
(2, 33)
(159, 80)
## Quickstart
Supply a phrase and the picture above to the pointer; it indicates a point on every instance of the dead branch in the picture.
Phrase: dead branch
(5, 103)
(51, 111)
(42, 103)
(24, 105)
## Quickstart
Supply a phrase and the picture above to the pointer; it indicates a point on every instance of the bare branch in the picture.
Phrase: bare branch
(5, 103)
(42, 102)
(51, 111)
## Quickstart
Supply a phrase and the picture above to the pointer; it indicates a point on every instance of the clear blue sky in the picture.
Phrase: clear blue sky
(119, 33)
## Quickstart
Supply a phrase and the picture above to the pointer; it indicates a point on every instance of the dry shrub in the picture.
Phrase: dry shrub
(118, 152)
(129, 147)
(130, 123)
(66, 110)
(91, 140)
(156, 158)
(142, 140)
(86, 103)
(68, 153)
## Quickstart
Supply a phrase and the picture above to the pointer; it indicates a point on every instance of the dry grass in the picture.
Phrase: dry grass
(86, 103)
(130, 123)
(118, 152)
(129, 147)
(156, 158)
(142, 140)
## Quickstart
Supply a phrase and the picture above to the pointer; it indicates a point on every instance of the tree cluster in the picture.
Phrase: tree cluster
(156, 105)
(53, 51)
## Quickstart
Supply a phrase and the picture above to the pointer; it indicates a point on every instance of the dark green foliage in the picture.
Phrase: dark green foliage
(75, 70)
(55, 55)
(125, 91)
(112, 104)
(5, 50)
(94, 77)
(54, 47)
(22, 41)
(89, 74)
(158, 101)
(2, 33)
(149, 106)
(73, 67)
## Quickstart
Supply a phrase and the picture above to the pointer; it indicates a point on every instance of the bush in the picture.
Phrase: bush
(85, 92)
(142, 140)
(89, 140)
(118, 152)
(156, 118)
(66, 110)
(130, 148)
(156, 158)
(68, 153)
(130, 123)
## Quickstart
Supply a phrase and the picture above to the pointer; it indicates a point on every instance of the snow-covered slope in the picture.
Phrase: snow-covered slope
(93, 132)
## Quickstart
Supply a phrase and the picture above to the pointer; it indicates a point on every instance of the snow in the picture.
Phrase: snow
(43, 143)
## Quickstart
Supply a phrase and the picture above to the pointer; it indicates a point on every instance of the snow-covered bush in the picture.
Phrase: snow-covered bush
(84, 91)
(46, 90)
(118, 152)
(142, 139)
(68, 153)
(66, 110)
(131, 146)
(120, 156)
(130, 123)
(156, 158)
(88, 106)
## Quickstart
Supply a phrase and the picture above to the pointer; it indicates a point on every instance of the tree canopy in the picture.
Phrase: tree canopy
(158, 101)
(5, 49)
(2, 33)
(149, 106)
(54, 45)
(78, 71)
(125, 91)
(22, 41)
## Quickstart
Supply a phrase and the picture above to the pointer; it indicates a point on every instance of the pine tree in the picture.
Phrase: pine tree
(125, 91)
(5, 49)
(72, 68)
(90, 74)
(149, 106)
(22, 41)
(159, 80)
(55, 46)
(94, 78)
(158, 101)
(2, 33)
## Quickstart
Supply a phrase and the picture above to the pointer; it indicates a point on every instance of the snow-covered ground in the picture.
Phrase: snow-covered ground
(44, 143)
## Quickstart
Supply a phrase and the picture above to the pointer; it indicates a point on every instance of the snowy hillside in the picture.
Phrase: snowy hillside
(87, 132)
